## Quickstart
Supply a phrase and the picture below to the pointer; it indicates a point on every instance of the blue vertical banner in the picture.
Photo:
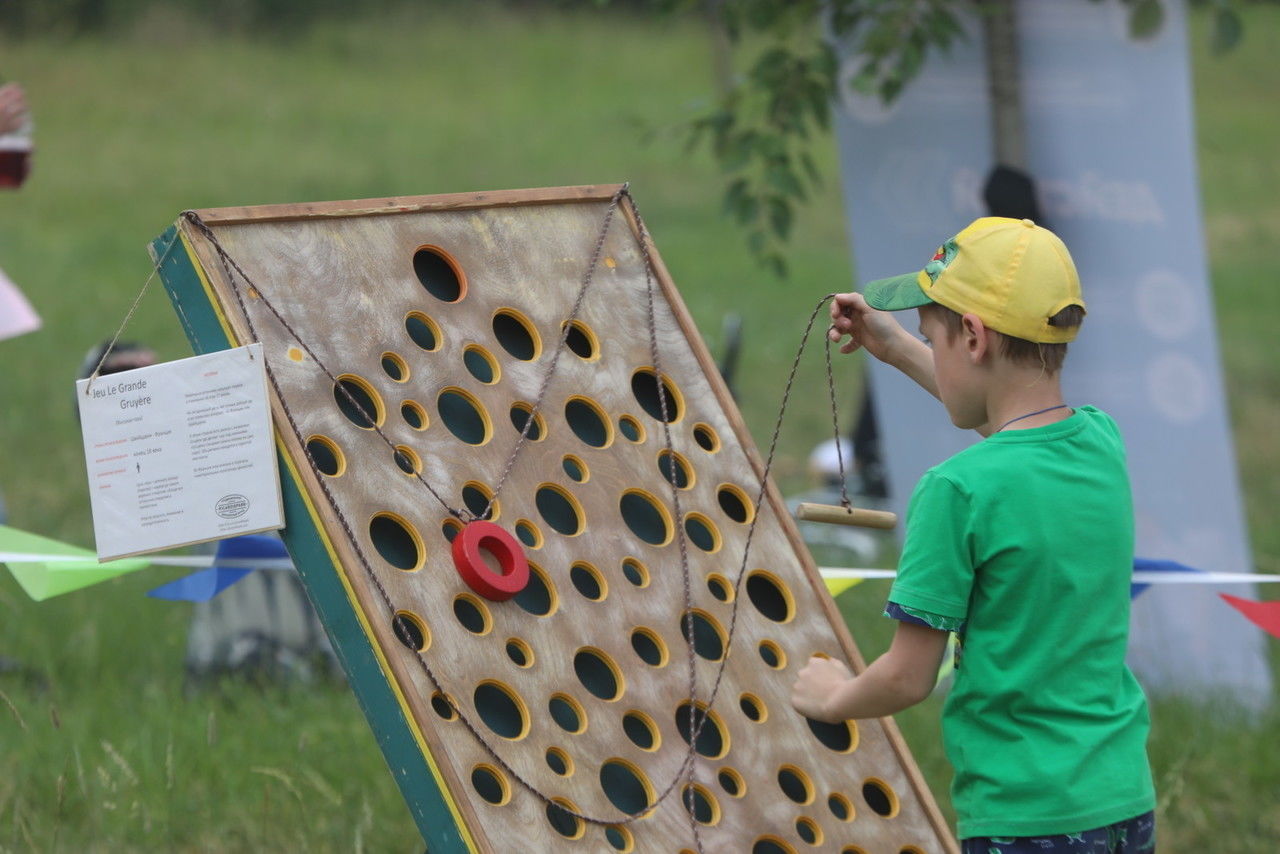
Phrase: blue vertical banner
(1110, 144)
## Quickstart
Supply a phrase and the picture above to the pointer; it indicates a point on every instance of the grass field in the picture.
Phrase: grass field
(100, 747)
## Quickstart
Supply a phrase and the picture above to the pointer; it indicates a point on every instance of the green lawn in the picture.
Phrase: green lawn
(102, 750)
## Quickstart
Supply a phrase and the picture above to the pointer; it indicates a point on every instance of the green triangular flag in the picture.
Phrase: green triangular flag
(43, 579)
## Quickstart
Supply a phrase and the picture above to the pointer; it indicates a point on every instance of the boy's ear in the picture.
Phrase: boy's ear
(976, 337)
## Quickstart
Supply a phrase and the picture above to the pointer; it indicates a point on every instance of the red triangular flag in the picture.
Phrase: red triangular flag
(1264, 615)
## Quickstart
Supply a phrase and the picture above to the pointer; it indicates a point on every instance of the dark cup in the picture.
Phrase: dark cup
(14, 167)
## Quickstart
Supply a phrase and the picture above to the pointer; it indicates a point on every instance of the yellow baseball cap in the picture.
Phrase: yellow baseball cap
(1011, 273)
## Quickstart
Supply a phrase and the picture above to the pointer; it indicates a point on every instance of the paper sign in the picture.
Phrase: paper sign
(180, 453)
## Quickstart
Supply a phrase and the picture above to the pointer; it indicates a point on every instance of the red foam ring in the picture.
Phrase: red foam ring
(469, 561)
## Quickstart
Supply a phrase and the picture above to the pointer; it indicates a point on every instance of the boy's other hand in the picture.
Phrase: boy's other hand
(13, 107)
(878, 331)
(816, 687)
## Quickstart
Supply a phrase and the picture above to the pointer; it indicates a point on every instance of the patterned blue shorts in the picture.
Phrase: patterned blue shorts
(1134, 836)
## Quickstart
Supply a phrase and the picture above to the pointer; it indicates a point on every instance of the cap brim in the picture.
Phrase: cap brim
(896, 293)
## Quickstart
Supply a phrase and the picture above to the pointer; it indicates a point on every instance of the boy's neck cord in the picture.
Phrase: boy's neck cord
(1029, 415)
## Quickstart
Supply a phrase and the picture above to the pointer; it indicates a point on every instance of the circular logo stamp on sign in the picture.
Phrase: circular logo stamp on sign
(231, 506)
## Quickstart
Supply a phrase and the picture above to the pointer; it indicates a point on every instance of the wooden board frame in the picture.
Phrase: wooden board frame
(203, 300)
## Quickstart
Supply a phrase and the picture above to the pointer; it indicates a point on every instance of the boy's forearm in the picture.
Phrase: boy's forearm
(913, 357)
(878, 691)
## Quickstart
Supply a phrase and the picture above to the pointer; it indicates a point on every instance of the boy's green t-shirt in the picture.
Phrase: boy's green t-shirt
(1028, 538)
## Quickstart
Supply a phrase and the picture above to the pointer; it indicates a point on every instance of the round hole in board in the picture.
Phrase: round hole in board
(735, 503)
(588, 422)
(575, 468)
(701, 804)
(795, 784)
(396, 541)
(567, 713)
(580, 340)
(808, 830)
(771, 845)
(882, 800)
(516, 334)
(852, 849)
(706, 437)
(772, 655)
(619, 838)
(407, 459)
(753, 707)
(713, 739)
(588, 581)
(598, 674)
(721, 588)
(358, 401)
(770, 596)
(413, 414)
(840, 807)
(472, 614)
(538, 596)
(520, 413)
(731, 781)
(631, 429)
(439, 273)
(477, 497)
(635, 572)
(708, 636)
(450, 528)
(562, 820)
(480, 363)
(443, 706)
(490, 784)
(394, 366)
(560, 510)
(641, 729)
(410, 630)
(649, 394)
(702, 532)
(528, 533)
(520, 653)
(626, 786)
(463, 414)
(327, 456)
(840, 737)
(674, 467)
(649, 646)
(501, 709)
(910, 849)
(423, 331)
(559, 762)
(645, 516)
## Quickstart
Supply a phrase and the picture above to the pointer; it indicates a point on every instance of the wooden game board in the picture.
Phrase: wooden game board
(440, 316)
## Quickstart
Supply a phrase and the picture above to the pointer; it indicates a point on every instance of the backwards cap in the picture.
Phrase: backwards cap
(1013, 274)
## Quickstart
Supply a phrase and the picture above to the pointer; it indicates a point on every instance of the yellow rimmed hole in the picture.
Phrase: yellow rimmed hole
(359, 402)
(575, 468)
(444, 706)
(397, 541)
(635, 572)
(516, 334)
(772, 655)
(731, 781)
(478, 498)
(528, 534)
(502, 709)
(588, 581)
(702, 532)
(480, 363)
(840, 806)
(706, 437)
(472, 614)
(809, 830)
(753, 707)
(439, 273)
(407, 459)
(880, 797)
(581, 340)
(839, 737)
(567, 713)
(414, 415)
(649, 645)
(560, 763)
(490, 784)
(713, 738)
(735, 503)
(620, 838)
(770, 595)
(588, 421)
(795, 784)
(411, 631)
(464, 415)
(423, 331)
(646, 516)
(648, 392)
(631, 429)
(642, 730)
(539, 595)
(721, 588)
(520, 653)
(559, 509)
(675, 468)
(770, 844)
(327, 456)
(626, 786)
(450, 527)
(700, 804)
(519, 414)
(395, 367)
(709, 638)
(560, 814)
(598, 673)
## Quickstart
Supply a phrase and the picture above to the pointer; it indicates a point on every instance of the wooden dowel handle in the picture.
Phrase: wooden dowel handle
(835, 514)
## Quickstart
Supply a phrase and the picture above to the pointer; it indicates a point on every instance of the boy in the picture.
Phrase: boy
(1021, 544)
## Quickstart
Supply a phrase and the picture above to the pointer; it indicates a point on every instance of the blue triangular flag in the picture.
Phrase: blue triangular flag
(1141, 564)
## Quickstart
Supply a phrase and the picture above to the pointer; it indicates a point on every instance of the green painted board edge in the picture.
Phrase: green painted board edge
(321, 579)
